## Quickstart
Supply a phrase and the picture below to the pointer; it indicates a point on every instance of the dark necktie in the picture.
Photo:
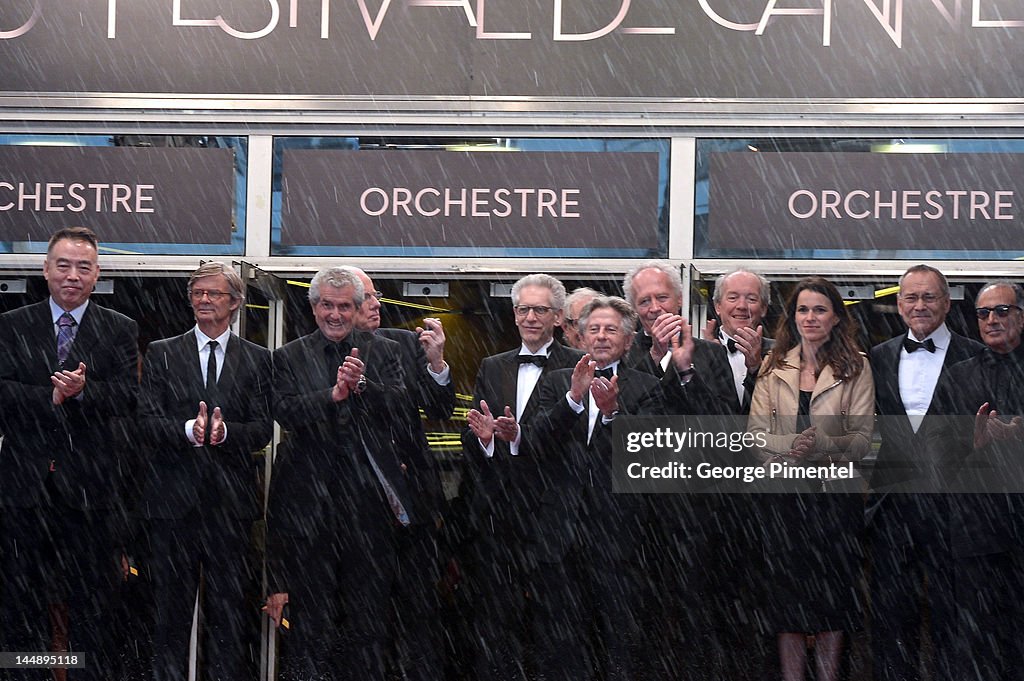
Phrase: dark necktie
(643, 341)
(65, 336)
(730, 345)
(539, 360)
(911, 345)
(604, 373)
(211, 368)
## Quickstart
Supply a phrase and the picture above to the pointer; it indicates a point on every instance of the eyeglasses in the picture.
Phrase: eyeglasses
(198, 293)
(927, 298)
(1002, 311)
(525, 310)
(374, 294)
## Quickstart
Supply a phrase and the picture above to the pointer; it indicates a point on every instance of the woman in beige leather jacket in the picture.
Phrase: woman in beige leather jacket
(814, 405)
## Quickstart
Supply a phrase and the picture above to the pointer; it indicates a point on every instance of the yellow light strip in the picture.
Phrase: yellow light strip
(390, 301)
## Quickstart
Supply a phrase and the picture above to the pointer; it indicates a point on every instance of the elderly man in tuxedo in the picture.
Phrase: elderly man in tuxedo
(341, 501)
(695, 373)
(517, 568)
(68, 389)
(741, 298)
(204, 410)
(579, 407)
(912, 575)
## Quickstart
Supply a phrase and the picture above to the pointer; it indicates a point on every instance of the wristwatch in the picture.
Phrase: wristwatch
(360, 385)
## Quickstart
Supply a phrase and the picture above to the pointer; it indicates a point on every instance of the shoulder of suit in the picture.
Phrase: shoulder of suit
(249, 345)
(30, 311)
(888, 345)
(165, 343)
(109, 316)
(969, 344)
(396, 334)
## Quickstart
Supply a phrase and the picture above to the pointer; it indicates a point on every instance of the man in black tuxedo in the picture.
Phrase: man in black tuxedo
(909, 532)
(695, 373)
(204, 410)
(694, 531)
(979, 459)
(579, 406)
(428, 386)
(340, 500)
(521, 518)
(68, 387)
(741, 299)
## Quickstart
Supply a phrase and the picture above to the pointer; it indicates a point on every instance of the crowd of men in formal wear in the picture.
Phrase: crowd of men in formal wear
(540, 571)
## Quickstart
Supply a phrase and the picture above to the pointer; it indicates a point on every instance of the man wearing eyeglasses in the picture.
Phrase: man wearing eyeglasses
(574, 305)
(982, 457)
(204, 409)
(517, 563)
(909, 532)
(428, 386)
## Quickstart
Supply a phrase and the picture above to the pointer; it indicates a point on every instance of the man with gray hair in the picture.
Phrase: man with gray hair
(340, 504)
(696, 374)
(204, 409)
(517, 550)
(574, 305)
(579, 406)
(741, 299)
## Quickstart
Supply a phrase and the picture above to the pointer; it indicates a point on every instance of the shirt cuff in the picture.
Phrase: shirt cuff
(443, 378)
(576, 406)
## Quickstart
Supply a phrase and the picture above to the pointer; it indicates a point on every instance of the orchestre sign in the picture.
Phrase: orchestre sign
(125, 194)
(461, 199)
(767, 202)
(463, 49)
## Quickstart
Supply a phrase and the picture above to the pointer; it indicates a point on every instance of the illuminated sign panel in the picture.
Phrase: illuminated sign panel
(124, 194)
(769, 203)
(437, 200)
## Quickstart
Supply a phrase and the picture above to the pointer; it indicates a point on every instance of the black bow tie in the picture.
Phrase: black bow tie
(730, 345)
(911, 345)
(604, 373)
(539, 360)
(643, 341)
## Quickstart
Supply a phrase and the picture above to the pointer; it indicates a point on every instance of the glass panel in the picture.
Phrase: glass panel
(342, 235)
(930, 164)
(233, 244)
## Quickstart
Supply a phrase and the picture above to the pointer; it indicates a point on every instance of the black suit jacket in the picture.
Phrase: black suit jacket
(85, 438)
(322, 479)
(989, 518)
(181, 477)
(607, 522)
(505, 488)
(901, 447)
(710, 391)
(437, 402)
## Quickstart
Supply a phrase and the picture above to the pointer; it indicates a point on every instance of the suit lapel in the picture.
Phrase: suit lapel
(509, 382)
(232, 357)
(892, 376)
(189, 349)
